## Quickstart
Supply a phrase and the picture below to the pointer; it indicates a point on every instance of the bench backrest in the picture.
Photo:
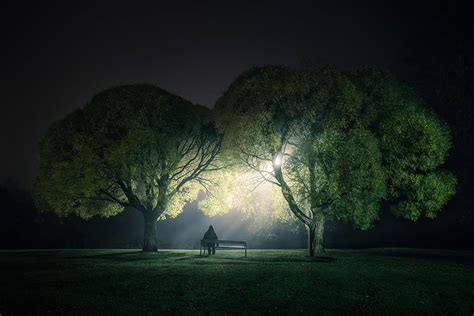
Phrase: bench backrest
(232, 242)
(225, 242)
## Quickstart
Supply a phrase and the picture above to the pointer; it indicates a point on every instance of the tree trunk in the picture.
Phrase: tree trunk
(150, 242)
(316, 237)
(311, 239)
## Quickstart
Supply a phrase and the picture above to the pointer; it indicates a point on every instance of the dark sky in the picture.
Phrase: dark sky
(57, 56)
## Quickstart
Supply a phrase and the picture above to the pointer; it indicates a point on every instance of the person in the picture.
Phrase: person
(211, 235)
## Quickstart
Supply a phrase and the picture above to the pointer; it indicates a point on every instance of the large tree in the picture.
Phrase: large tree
(134, 146)
(337, 144)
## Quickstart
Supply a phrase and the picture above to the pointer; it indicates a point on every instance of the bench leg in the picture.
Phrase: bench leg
(245, 252)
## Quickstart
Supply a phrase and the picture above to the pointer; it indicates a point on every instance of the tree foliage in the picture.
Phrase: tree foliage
(341, 174)
(131, 146)
(337, 143)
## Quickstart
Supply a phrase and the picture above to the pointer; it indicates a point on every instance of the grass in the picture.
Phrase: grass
(377, 281)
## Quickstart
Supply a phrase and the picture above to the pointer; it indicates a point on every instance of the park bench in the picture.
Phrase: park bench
(224, 244)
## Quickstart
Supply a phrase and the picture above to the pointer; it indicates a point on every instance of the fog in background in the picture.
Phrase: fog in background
(21, 226)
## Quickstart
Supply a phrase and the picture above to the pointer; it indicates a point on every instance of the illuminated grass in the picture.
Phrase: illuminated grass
(180, 281)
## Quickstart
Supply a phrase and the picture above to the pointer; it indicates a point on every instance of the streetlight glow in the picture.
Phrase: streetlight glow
(277, 161)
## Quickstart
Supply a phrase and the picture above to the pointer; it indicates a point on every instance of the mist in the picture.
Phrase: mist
(22, 226)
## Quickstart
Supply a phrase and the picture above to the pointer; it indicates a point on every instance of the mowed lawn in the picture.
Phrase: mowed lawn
(378, 281)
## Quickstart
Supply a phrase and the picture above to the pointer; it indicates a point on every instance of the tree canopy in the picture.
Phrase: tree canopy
(337, 144)
(321, 143)
(131, 146)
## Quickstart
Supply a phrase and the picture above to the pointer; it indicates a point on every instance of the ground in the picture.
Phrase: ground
(377, 281)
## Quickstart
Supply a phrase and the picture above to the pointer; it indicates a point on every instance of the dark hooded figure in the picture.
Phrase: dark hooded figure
(210, 235)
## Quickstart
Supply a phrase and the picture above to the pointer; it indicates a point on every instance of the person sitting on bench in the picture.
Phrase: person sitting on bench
(211, 234)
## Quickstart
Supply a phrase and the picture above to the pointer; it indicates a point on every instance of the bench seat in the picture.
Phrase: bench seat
(224, 244)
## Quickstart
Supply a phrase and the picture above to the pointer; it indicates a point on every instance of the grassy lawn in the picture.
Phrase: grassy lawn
(378, 281)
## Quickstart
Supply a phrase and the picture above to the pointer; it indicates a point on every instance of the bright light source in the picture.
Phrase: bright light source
(277, 161)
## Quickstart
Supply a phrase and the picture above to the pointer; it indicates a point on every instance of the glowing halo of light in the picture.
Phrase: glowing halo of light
(278, 160)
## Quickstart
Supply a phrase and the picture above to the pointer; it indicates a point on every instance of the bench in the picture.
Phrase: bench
(224, 244)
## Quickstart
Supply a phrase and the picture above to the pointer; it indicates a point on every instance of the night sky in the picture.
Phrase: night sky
(57, 56)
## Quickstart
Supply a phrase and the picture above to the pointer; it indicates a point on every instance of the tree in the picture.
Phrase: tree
(441, 69)
(134, 146)
(337, 144)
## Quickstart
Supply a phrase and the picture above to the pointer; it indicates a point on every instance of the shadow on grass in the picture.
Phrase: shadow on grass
(320, 259)
(37, 253)
(432, 256)
(192, 257)
(205, 259)
(136, 256)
